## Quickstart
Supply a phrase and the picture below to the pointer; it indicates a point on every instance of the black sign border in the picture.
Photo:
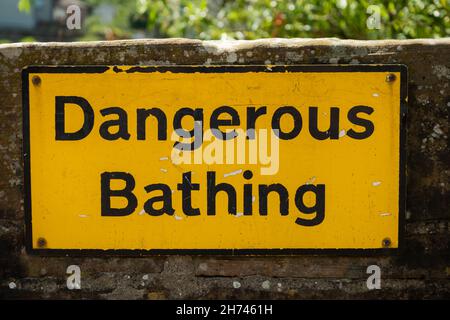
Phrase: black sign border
(402, 69)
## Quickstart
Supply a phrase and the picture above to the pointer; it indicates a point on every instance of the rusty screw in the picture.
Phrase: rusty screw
(390, 77)
(36, 80)
(386, 242)
(41, 242)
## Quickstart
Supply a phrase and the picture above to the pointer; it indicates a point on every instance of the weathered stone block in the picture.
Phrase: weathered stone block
(419, 270)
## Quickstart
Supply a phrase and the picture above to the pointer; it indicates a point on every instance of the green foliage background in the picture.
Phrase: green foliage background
(252, 19)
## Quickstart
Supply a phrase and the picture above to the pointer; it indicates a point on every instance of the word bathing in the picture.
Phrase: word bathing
(162, 203)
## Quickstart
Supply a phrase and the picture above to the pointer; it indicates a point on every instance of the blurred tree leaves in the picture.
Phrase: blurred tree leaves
(252, 19)
(24, 5)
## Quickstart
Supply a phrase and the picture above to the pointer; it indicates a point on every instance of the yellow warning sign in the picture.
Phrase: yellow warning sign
(239, 159)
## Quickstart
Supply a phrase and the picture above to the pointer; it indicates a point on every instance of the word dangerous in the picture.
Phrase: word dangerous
(118, 128)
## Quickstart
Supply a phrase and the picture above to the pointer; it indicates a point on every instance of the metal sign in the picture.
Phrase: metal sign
(221, 159)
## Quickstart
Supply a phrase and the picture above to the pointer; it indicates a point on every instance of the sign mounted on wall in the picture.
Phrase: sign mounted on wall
(223, 159)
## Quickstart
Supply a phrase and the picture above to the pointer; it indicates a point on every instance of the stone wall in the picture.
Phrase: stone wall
(420, 270)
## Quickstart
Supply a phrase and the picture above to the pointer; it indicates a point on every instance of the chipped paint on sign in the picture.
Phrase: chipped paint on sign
(337, 140)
